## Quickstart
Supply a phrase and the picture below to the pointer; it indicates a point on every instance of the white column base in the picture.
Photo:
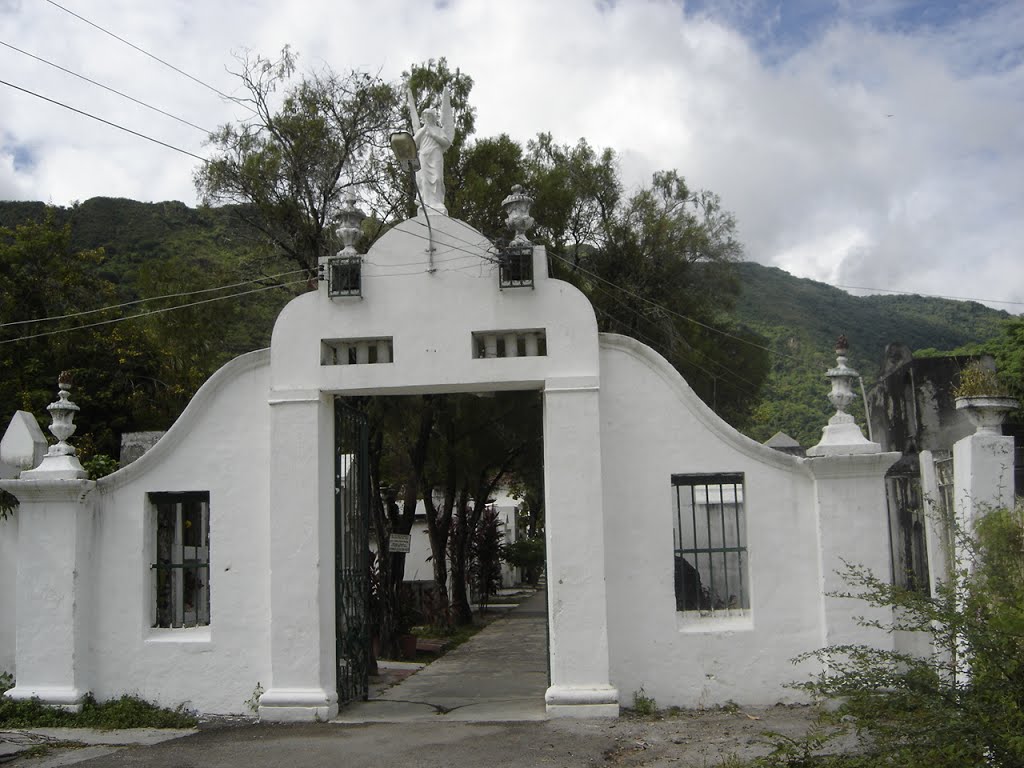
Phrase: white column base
(59, 697)
(584, 703)
(295, 705)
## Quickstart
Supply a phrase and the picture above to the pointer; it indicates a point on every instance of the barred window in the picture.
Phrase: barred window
(709, 535)
(182, 559)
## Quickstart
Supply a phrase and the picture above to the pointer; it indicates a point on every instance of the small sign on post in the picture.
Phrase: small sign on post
(399, 542)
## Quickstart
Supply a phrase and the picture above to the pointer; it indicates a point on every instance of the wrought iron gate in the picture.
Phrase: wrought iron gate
(351, 551)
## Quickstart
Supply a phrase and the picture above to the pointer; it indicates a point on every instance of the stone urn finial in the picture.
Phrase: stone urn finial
(517, 205)
(350, 221)
(63, 414)
(842, 435)
(842, 377)
(60, 462)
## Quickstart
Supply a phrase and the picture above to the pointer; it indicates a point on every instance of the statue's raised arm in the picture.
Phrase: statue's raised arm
(410, 101)
(447, 117)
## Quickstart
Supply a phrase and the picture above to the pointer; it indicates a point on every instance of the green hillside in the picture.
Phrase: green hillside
(802, 319)
(153, 249)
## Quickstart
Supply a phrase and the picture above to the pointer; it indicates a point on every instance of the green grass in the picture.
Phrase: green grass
(125, 712)
(644, 705)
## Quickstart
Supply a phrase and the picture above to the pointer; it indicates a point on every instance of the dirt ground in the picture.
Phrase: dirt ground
(697, 739)
(702, 738)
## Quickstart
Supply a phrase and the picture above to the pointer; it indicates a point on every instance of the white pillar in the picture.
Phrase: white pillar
(362, 352)
(853, 527)
(383, 351)
(303, 680)
(511, 345)
(530, 347)
(52, 585)
(982, 479)
(490, 345)
(577, 604)
(341, 353)
(938, 534)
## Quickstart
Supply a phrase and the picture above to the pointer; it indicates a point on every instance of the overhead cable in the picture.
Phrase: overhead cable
(150, 298)
(102, 120)
(149, 312)
(105, 87)
(152, 56)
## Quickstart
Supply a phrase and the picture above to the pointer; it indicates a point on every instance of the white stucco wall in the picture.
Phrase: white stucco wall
(653, 426)
(219, 444)
(8, 600)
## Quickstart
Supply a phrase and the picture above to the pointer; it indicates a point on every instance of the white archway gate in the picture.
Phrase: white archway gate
(416, 330)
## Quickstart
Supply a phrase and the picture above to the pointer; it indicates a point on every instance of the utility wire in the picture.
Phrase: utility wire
(149, 312)
(727, 372)
(929, 295)
(673, 312)
(106, 122)
(152, 56)
(151, 298)
(105, 87)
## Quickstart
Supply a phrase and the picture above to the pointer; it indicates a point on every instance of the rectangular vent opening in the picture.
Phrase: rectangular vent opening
(526, 343)
(357, 351)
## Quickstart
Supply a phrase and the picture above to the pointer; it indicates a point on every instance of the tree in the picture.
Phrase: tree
(292, 168)
(41, 276)
(657, 265)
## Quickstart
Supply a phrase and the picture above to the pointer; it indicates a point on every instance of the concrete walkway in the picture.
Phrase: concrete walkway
(500, 674)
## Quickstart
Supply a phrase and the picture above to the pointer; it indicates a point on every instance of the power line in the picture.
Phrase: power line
(152, 56)
(928, 295)
(102, 120)
(105, 87)
(149, 312)
(680, 353)
(151, 298)
(673, 312)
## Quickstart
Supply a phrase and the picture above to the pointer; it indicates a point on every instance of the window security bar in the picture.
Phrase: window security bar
(709, 530)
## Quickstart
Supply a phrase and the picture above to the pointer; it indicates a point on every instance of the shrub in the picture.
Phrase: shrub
(978, 380)
(528, 554)
(643, 704)
(960, 705)
(125, 712)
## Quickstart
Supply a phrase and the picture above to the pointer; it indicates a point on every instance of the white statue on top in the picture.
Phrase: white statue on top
(432, 139)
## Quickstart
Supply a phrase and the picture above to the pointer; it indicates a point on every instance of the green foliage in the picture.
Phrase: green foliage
(524, 553)
(960, 705)
(125, 712)
(253, 702)
(8, 503)
(485, 555)
(643, 704)
(100, 465)
(978, 380)
(528, 554)
(292, 165)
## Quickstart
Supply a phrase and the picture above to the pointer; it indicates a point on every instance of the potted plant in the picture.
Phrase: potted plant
(984, 397)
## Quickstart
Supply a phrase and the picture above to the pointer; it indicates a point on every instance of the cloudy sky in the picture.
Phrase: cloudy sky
(870, 143)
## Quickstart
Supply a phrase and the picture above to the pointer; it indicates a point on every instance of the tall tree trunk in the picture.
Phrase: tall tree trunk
(462, 613)
(384, 603)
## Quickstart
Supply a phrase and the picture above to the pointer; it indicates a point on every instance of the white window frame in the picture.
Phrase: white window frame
(186, 586)
(709, 535)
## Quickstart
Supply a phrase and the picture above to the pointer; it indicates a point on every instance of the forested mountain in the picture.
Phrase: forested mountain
(155, 249)
(801, 320)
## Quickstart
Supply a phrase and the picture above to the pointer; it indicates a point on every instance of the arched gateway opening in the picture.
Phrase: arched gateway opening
(432, 311)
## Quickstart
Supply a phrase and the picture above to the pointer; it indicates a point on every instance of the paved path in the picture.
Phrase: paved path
(500, 674)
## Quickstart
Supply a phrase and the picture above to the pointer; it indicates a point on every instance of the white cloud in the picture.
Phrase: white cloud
(799, 143)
